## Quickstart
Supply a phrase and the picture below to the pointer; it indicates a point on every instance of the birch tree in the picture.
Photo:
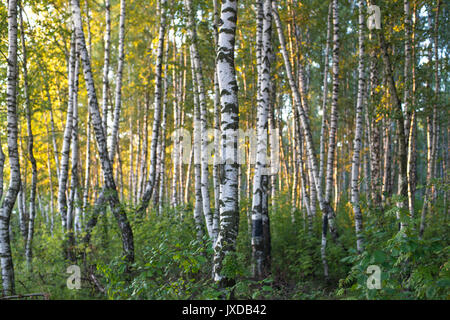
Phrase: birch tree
(355, 192)
(229, 213)
(8, 285)
(118, 91)
(30, 149)
(198, 81)
(112, 196)
(260, 214)
(105, 82)
(150, 184)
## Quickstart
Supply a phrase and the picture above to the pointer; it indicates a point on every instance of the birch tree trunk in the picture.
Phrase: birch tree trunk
(162, 179)
(358, 135)
(64, 169)
(324, 95)
(375, 135)
(32, 200)
(74, 182)
(333, 123)
(198, 80)
(7, 205)
(150, 184)
(216, 171)
(106, 54)
(229, 207)
(260, 214)
(176, 126)
(118, 93)
(112, 195)
(198, 213)
(2, 166)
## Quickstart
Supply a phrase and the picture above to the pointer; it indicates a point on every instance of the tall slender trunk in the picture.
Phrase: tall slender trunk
(162, 179)
(260, 214)
(87, 173)
(229, 207)
(176, 139)
(64, 169)
(333, 121)
(2, 166)
(112, 195)
(106, 54)
(198, 213)
(32, 200)
(431, 129)
(198, 81)
(216, 171)
(118, 92)
(150, 184)
(355, 192)
(14, 162)
(74, 181)
(324, 95)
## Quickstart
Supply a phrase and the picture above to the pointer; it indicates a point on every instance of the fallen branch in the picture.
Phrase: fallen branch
(29, 295)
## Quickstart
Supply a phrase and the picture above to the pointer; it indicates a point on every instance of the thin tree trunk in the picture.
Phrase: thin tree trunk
(32, 200)
(216, 171)
(74, 182)
(355, 192)
(105, 81)
(118, 93)
(198, 81)
(198, 213)
(112, 195)
(432, 134)
(333, 122)
(8, 287)
(64, 169)
(324, 95)
(260, 214)
(157, 115)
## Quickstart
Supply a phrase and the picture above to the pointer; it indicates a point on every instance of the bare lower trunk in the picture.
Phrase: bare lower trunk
(112, 195)
(355, 192)
(229, 207)
(7, 205)
(32, 199)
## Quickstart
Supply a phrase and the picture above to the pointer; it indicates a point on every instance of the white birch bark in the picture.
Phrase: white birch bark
(260, 213)
(358, 135)
(105, 82)
(14, 162)
(229, 208)
(198, 81)
(112, 195)
(30, 143)
(216, 178)
(150, 184)
(64, 163)
(118, 90)
(333, 121)
(325, 95)
(198, 212)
